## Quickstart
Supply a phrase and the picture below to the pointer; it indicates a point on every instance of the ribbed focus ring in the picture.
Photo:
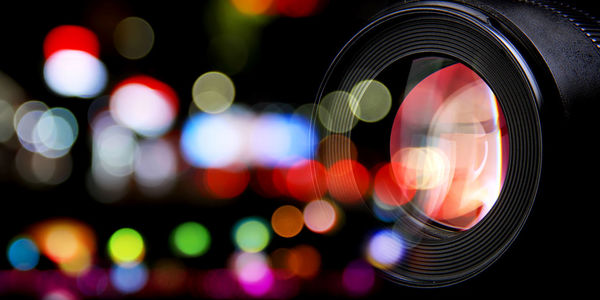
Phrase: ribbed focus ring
(423, 31)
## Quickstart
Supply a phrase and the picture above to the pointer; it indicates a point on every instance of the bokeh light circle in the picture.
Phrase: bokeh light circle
(145, 105)
(126, 247)
(358, 278)
(213, 92)
(348, 181)
(133, 38)
(287, 221)
(335, 112)
(384, 249)
(371, 100)
(306, 180)
(253, 273)
(74, 73)
(55, 132)
(155, 166)
(304, 261)
(320, 216)
(226, 183)
(129, 279)
(23, 254)
(251, 234)
(191, 239)
(71, 37)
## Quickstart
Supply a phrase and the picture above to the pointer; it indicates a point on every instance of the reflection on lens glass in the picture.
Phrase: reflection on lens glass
(449, 143)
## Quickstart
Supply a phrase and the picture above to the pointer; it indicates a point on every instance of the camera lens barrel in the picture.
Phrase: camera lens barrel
(556, 35)
(540, 59)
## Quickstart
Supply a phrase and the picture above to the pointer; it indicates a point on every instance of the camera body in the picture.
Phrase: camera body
(541, 62)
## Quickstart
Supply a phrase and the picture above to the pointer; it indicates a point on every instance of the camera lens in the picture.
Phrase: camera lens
(449, 143)
(463, 110)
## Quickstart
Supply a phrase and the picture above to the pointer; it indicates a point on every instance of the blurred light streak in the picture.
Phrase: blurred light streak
(281, 139)
(74, 73)
(190, 239)
(270, 140)
(251, 234)
(239, 137)
(212, 140)
(133, 38)
(145, 105)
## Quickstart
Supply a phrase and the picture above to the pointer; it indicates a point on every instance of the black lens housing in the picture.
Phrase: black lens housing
(542, 61)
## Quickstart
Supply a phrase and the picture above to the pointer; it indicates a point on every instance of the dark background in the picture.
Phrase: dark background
(550, 254)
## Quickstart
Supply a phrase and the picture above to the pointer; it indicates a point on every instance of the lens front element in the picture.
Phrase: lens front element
(449, 143)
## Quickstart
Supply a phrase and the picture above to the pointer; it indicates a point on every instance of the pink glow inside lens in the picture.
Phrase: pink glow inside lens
(449, 145)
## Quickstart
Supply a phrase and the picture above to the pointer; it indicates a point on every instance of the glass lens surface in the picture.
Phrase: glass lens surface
(449, 143)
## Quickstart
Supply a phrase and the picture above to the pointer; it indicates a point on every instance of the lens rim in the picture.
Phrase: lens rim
(442, 257)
